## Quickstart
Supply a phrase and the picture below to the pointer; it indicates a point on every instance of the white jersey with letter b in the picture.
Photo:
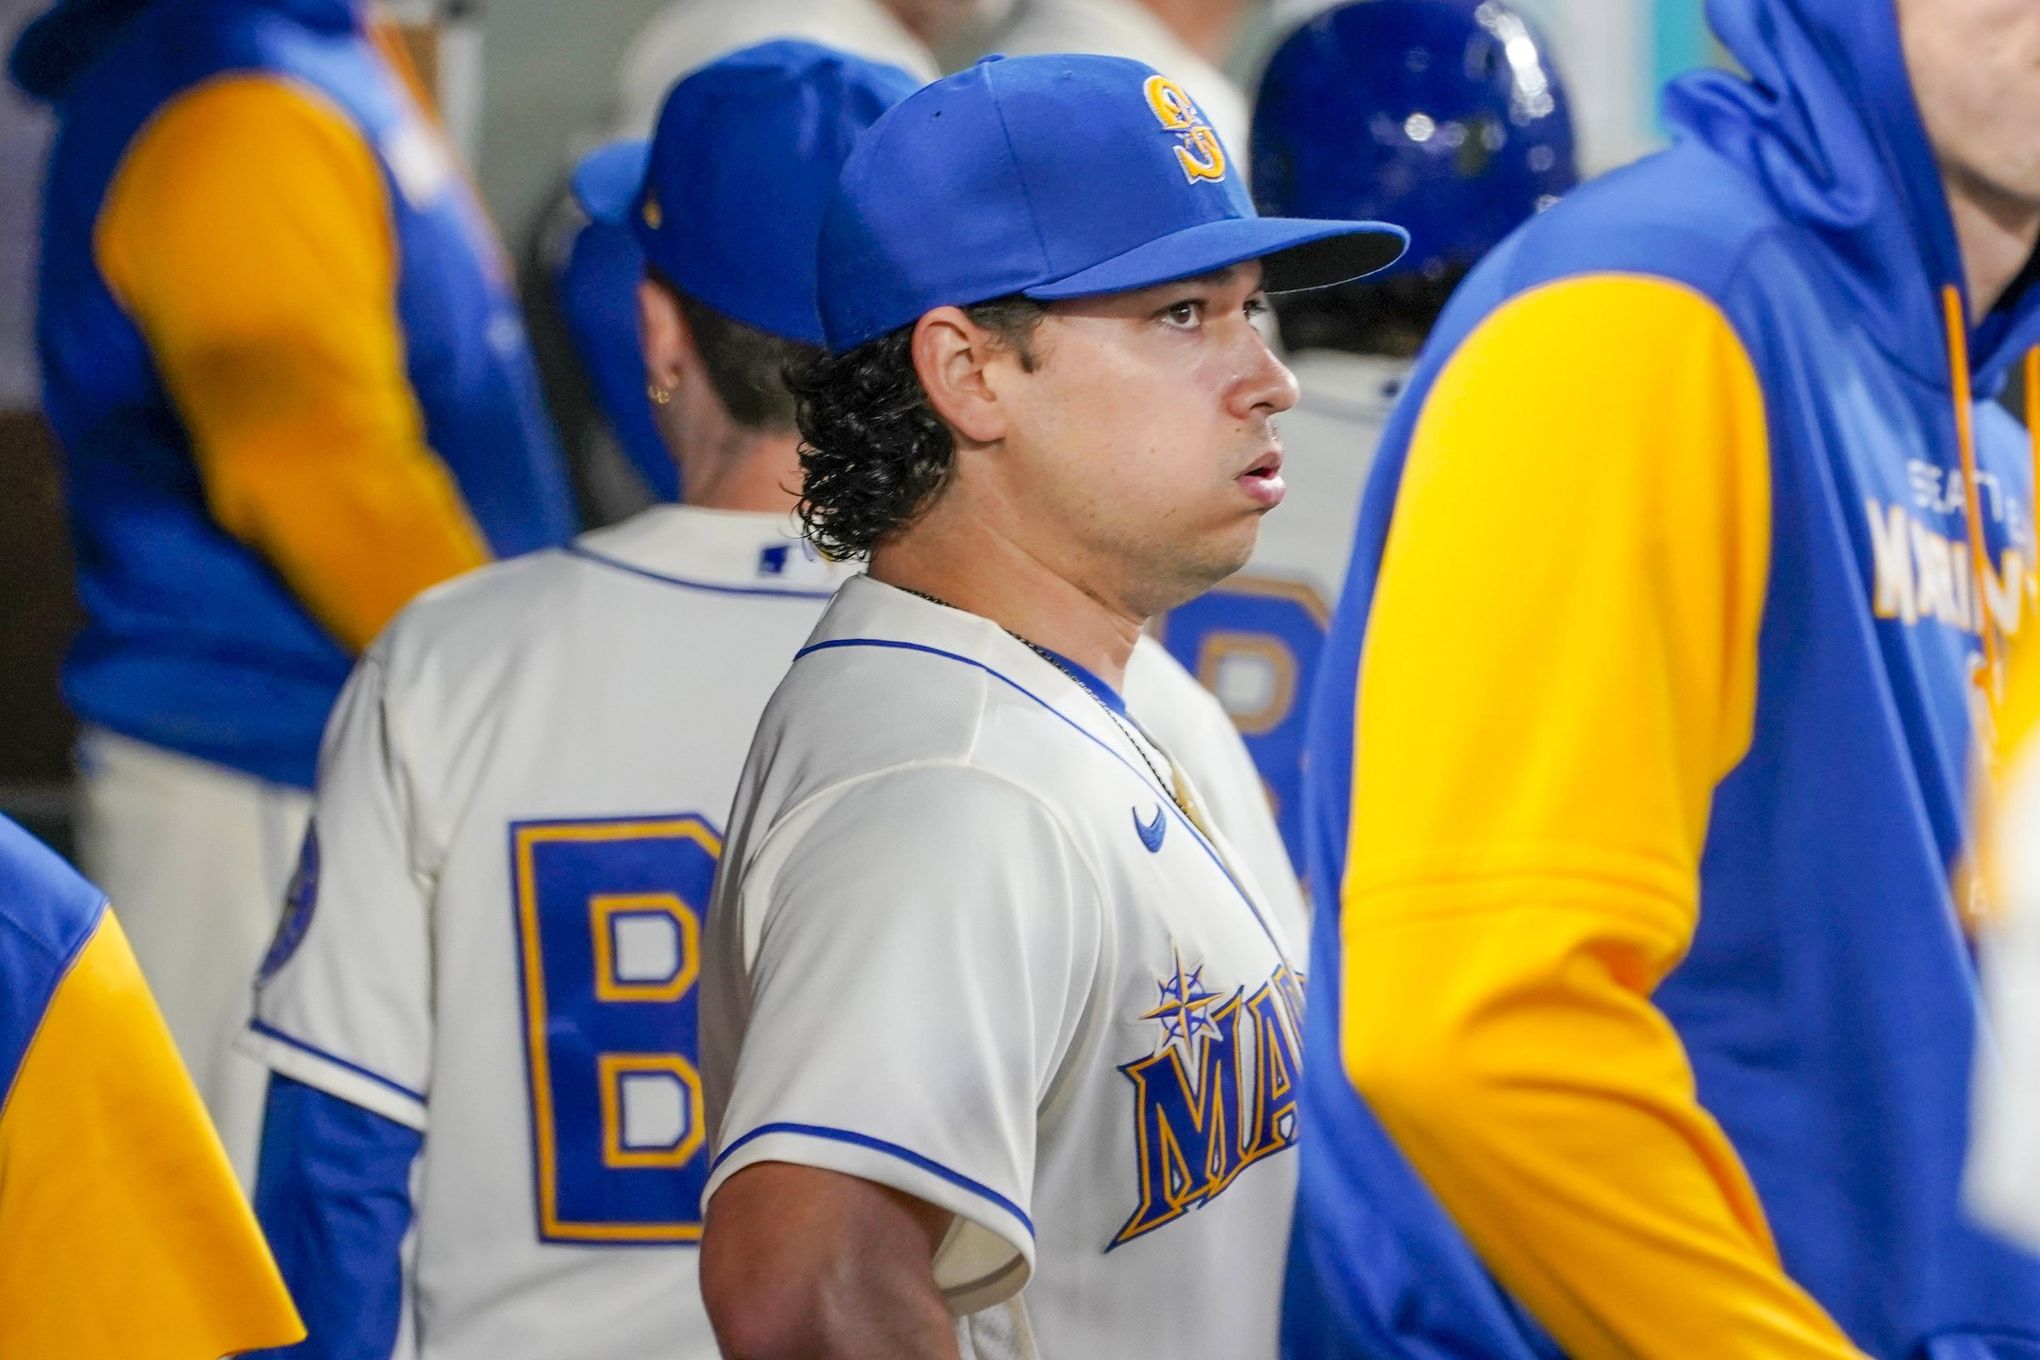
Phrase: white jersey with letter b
(518, 819)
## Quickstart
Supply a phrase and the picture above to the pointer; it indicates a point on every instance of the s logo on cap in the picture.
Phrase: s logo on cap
(1198, 150)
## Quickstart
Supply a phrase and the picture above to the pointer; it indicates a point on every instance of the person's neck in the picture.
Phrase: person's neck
(971, 564)
(732, 468)
(1207, 27)
(1995, 232)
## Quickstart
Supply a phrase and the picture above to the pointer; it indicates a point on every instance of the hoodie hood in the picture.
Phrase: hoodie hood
(63, 42)
(1827, 122)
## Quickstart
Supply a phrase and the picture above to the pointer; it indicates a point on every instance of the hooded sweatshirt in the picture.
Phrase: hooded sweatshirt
(1642, 1007)
(281, 356)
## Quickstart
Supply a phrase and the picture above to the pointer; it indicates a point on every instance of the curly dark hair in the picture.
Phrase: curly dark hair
(873, 451)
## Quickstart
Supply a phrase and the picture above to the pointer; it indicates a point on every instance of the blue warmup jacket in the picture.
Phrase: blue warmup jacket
(1642, 1008)
(196, 636)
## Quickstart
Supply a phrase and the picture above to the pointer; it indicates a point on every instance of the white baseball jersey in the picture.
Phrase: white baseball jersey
(520, 808)
(520, 804)
(966, 944)
(1254, 641)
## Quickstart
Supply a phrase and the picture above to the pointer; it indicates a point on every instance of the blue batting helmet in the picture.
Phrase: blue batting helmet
(1444, 116)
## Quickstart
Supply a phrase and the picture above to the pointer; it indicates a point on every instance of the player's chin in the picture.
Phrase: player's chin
(1222, 552)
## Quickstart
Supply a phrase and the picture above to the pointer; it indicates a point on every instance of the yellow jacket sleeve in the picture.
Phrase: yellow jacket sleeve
(127, 1237)
(248, 235)
(1560, 667)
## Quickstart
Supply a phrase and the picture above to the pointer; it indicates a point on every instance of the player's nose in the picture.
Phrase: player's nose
(1265, 386)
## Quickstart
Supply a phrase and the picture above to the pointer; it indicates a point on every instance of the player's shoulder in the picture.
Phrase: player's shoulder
(1682, 234)
(47, 909)
(888, 681)
(488, 609)
(1684, 215)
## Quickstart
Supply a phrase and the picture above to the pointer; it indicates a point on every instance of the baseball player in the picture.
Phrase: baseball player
(1445, 116)
(987, 999)
(1643, 1015)
(487, 969)
(292, 389)
(122, 1230)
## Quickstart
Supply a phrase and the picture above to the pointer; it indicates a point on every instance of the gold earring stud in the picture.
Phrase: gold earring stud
(660, 396)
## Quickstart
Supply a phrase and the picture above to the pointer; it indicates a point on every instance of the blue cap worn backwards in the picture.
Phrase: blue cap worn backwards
(1053, 177)
(726, 199)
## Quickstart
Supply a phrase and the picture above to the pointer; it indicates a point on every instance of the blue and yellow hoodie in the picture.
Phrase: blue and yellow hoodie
(1642, 1008)
(126, 1234)
(278, 348)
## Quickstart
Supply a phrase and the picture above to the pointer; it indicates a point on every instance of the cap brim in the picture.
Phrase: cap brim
(1298, 253)
(607, 180)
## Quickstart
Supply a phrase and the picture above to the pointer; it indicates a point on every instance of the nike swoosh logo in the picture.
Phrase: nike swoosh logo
(1151, 833)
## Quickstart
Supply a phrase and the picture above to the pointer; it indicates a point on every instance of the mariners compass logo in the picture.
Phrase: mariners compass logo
(1217, 1094)
(1197, 148)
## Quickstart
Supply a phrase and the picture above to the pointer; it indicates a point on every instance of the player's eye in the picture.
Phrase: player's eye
(1184, 315)
(1256, 306)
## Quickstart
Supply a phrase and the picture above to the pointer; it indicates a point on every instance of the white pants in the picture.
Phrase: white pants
(195, 858)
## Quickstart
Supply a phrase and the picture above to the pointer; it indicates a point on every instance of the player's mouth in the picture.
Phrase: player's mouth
(1263, 481)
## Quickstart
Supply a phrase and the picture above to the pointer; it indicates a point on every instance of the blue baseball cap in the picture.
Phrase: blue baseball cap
(1054, 177)
(726, 198)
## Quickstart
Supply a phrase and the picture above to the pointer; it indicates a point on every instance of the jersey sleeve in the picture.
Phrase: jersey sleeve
(126, 1233)
(333, 1195)
(344, 1001)
(1571, 593)
(918, 955)
(248, 234)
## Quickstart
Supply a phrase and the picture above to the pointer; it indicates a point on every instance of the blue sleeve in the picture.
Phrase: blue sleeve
(597, 291)
(333, 1193)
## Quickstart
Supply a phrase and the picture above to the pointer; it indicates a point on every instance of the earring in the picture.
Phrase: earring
(660, 395)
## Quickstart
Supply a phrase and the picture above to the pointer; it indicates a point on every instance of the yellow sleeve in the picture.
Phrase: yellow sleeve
(127, 1237)
(2014, 766)
(247, 233)
(1559, 668)
(2018, 718)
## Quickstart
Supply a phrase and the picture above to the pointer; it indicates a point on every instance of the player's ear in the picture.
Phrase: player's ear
(664, 337)
(953, 356)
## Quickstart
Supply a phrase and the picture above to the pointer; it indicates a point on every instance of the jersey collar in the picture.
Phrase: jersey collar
(871, 610)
